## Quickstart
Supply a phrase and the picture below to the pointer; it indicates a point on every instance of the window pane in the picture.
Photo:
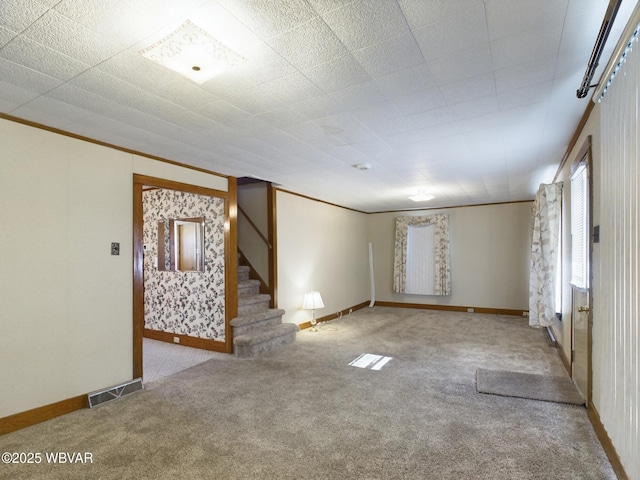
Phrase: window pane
(579, 225)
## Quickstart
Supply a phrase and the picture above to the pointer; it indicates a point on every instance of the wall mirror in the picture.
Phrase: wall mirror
(181, 245)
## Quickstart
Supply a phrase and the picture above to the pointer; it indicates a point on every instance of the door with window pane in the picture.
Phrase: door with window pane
(581, 276)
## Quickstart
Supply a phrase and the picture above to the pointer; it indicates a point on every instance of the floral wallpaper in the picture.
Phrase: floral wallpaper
(187, 303)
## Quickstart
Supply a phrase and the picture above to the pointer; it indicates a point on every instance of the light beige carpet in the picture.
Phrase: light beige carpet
(302, 412)
(548, 388)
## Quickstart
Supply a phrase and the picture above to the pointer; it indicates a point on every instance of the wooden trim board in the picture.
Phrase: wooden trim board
(31, 417)
(186, 341)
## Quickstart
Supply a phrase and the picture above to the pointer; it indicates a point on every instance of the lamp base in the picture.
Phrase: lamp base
(313, 328)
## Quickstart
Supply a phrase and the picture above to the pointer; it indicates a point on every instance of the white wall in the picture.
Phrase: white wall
(489, 248)
(562, 329)
(320, 247)
(66, 314)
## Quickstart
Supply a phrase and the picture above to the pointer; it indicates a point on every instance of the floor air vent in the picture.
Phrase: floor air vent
(102, 396)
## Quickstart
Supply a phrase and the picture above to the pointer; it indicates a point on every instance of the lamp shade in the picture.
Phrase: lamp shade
(312, 300)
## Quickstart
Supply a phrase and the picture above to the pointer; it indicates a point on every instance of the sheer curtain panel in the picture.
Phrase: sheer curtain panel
(547, 209)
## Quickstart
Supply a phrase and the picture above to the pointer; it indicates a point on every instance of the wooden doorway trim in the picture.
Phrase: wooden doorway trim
(230, 254)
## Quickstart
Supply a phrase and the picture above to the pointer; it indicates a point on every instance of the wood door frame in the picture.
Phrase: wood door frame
(585, 154)
(230, 256)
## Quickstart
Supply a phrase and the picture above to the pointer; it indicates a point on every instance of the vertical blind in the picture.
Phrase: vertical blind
(421, 260)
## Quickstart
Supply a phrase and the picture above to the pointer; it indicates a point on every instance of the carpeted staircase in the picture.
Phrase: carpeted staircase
(257, 328)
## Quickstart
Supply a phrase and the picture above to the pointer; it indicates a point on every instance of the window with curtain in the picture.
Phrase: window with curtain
(421, 262)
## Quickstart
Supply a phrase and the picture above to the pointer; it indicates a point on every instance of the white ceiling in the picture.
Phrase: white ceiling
(472, 101)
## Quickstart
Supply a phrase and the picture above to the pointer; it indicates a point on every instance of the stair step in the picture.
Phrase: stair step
(264, 339)
(248, 288)
(265, 318)
(243, 272)
(253, 303)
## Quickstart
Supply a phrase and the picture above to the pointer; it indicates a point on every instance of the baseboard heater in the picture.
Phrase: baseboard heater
(112, 393)
(551, 338)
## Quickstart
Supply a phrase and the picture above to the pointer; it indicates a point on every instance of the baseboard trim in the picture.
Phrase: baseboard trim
(423, 306)
(31, 417)
(453, 308)
(333, 316)
(186, 341)
(565, 359)
(606, 443)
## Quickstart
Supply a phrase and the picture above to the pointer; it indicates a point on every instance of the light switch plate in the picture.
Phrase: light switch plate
(115, 248)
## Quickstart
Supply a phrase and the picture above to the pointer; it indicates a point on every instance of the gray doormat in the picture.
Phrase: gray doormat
(528, 385)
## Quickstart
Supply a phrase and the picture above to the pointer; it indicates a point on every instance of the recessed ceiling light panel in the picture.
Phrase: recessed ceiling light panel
(193, 53)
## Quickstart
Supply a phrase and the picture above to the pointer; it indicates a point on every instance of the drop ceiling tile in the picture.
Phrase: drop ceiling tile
(194, 122)
(107, 86)
(42, 59)
(276, 94)
(284, 141)
(337, 74)
(285, 116)
(107, 19)
(524, 74)
(376, 149)
(26, 78)
(475, 108)
(19, 14)
(309, 44)
(222, 112)
(358, 97)
(37, 115)
(89, 101)
(526, 95)
(425, 12)
(70, 38)
(526, 47)
(505, 19)
(430, 118)
(264, 65)
(13, 96)
(185, 93)
(467, 64)
(319, 107)
(269, 19)
(451, 35)
(6, 35)
(249, 126)
(52, 108)
(312, 134)
(346, 127)
(383, 118)
(479, 86)
(346, 154)
(324, 6)
(136, 70)
(395, 54)
(403, 82)
(362, 24)
(419, 102)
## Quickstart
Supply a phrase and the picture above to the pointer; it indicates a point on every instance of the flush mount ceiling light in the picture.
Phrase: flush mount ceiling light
(193, 53)
(421, 197)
